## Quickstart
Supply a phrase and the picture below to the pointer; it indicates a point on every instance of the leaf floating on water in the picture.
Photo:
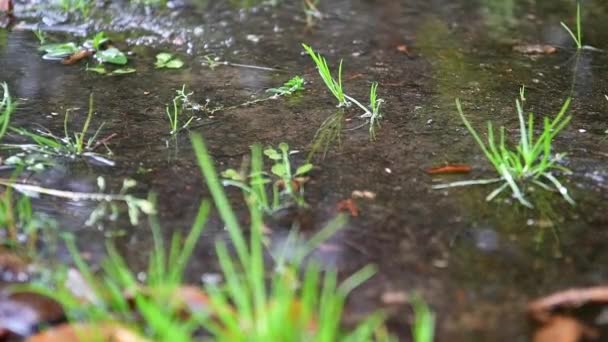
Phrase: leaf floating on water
(167, 60)
(450, 168)
(58, 51)
(111, 55)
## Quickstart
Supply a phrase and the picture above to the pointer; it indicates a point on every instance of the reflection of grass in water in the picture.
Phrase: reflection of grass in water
(536, 230)
(328, 134)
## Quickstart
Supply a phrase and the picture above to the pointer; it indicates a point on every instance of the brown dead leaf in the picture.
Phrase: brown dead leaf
(104, 332)
(349, 206)
(191, 299)
(22, 313)
(535, 49)
(77, 57)
(561, 328)
(395, 298)
(403, 49)
(449, 169)
(540, 309)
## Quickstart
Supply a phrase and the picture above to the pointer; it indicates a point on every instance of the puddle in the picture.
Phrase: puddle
(476, 263)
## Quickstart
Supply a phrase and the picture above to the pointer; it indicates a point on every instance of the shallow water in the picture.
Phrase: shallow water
(476, 263)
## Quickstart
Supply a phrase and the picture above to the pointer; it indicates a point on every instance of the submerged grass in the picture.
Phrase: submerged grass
(530, 161)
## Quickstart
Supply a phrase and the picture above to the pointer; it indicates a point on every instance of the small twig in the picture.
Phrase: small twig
(467, 183)
(248, 66)
(104, 141)
(71, 195)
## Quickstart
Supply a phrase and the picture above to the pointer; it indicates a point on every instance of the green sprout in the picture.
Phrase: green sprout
(579, 32)
(530, 161)
(40, 35)
(99, 40)
(376, 115)
(174, 111)
(294, 85)
(372, 114)
(286, 190)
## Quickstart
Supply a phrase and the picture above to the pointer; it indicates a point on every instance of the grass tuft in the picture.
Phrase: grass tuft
(530, 161)
(335, 87)
(578, 39)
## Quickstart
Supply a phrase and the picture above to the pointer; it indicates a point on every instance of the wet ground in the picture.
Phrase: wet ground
(476, 263)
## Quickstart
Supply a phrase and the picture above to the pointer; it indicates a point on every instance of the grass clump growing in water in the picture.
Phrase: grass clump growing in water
(530, 161)
(78, 144)
(335, 87)
(372, 113)
(578, 39)
(288, 189)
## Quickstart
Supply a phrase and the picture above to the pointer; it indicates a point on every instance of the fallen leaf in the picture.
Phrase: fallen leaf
(348, 205)
(76, 57)
(366, 194)
(540, 309)
(81, 332)
(535, 49)
(191, 299)
(395, 298)
(563, 329)
(22, 313)
(450, 168)
(403, 49)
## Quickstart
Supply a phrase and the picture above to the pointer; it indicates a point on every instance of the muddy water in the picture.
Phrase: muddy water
(476, 263)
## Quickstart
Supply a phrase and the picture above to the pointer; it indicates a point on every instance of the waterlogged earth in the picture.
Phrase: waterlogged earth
(476, 263)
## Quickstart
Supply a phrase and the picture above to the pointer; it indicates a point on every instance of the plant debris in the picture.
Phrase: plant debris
(535, 49)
